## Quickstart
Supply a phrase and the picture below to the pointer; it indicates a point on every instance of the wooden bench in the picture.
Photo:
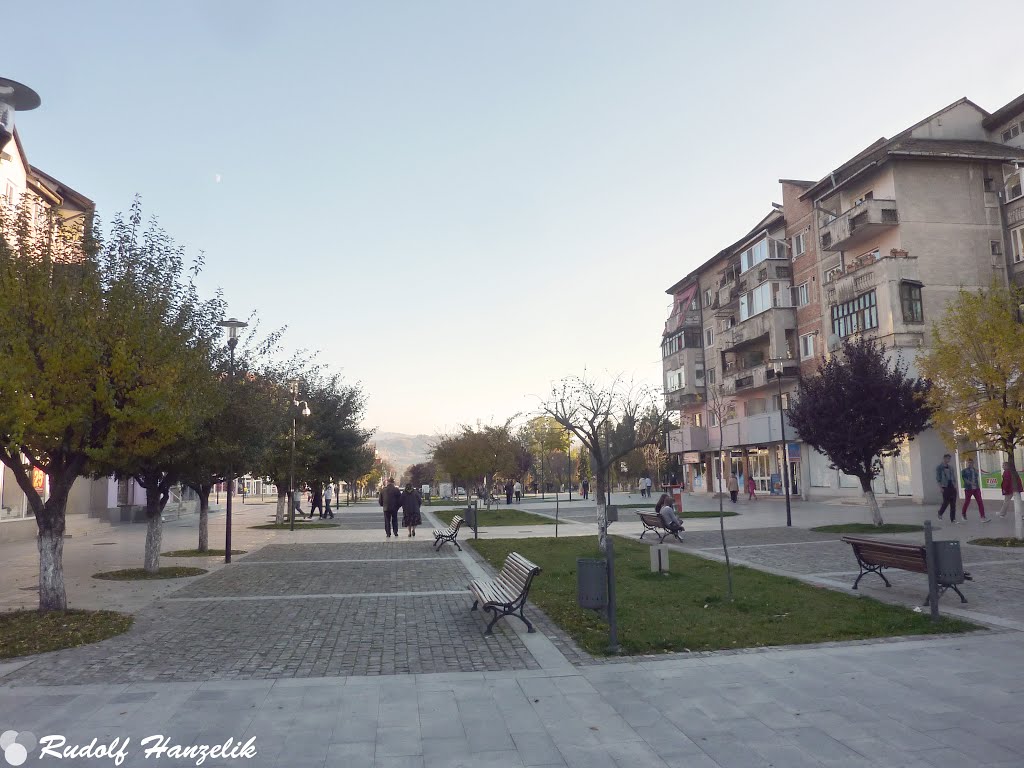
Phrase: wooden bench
(654, 524)
(874, 554)
(449, 533)
(506, 594)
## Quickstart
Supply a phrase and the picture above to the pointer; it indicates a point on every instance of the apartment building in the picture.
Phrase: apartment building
(877, 246)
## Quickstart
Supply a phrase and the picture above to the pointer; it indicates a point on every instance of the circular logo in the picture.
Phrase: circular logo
(16, 746)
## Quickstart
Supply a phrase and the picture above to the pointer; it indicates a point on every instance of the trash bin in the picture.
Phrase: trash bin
(592, 582)
(677, 499)
(949, 564)
(471, 516)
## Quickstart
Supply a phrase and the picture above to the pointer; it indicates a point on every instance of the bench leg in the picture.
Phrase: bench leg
(475, 604)
(526, 621)
(493, 621)
(865, 571)
(456, 545)
(645, 532)
(678, 537)
(955, 589)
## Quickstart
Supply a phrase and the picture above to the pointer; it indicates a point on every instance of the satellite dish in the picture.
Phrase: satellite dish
(833, 342)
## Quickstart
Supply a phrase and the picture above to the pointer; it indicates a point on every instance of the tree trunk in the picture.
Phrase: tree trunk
(204, 516)
(282, 506)
(602, 509)
(52, 596)
(1018, 505)
(721, 510)
(154, 531)
(869, 496)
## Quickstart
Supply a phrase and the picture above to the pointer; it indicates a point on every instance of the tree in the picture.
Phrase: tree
(336, 435)
(421, 474)
(977, 374)
(57, 380)
(859, 407)
(472, 455)
(166, 349)
(610, 420)
(721, 404)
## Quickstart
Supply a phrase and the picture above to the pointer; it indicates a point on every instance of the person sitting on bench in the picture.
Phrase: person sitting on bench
(667, 512)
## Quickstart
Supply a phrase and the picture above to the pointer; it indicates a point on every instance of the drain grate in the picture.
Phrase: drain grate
(103, 543)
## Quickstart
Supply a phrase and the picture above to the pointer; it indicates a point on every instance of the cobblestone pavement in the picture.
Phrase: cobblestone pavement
(254, 620)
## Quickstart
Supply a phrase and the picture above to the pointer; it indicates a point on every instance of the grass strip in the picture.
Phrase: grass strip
(687, 609)
(141, 574)
(497, 516)
(868, 528)
(199, 553)
(1001, 541)
(27, 632)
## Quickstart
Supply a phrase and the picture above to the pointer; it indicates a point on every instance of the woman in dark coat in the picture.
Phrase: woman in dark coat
(411, 509)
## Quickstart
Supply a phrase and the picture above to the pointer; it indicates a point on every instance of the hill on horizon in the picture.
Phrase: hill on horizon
(403, 450)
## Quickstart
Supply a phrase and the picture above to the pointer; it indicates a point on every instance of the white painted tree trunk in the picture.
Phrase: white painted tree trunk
(282, 507)
(602, 510)
(1018, 516)
(52, 596)
(869, 497)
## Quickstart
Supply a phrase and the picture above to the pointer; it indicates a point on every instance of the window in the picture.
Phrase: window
(1017, 244)
(860, 314)
(709, 337)
(710, 373)
(1013, 188)
(990, 184)
(728, 323)
(869, 195)
(698, 419)
(832, 274)
(780, 404)
(799, 245)
(762, 298)
(869, 257)
(755, 407)
(1011, 133)
(765, 249)
(712, 419)
(910, 298)
(806, 346)
(800, 295)
(707, 297)
(996, 247)
(671, 345)
(675, 380)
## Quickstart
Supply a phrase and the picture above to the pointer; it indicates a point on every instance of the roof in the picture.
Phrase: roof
(66, 193)
(798, 182)
(1004, 113)
(761, 226)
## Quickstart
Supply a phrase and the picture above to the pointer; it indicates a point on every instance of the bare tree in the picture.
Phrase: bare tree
(610, 420)
(722, 406)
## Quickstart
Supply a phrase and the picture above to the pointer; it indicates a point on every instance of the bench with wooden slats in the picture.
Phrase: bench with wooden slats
(448, 534)
(654, 524)
(874, 554)
(506, 594)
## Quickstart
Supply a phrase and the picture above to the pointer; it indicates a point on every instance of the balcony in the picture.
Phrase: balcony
(772, 323)
(858, 224)
(677, 320)
(682, 397)
(687, 438)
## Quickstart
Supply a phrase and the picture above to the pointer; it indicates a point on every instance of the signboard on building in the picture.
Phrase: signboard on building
(691, 457)
(794, 451)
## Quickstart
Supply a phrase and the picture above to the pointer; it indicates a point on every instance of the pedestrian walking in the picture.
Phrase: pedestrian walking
(972, 487)
(508, 492)
(241, 492)
(734, 487)
(390, 498)
(297, 501)
(518, 490)
(1011, 484)
(317, 504)
(586, 488)
(411, 501)
(947, 487)
(643, 487)
(328, 497)
(648, 484)
(751, 489)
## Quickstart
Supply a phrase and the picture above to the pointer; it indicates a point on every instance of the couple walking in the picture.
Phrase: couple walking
(946, 479)
(392, 499)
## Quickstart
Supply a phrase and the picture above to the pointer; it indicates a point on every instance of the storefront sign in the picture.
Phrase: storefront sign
(794, 451)
(691, 457)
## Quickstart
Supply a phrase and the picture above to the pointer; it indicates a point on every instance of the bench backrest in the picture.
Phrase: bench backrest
(517, 573)
(651, 518)
(455, 524)
(894, 554)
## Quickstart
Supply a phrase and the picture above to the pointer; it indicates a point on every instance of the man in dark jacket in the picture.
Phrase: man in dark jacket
(391, 499)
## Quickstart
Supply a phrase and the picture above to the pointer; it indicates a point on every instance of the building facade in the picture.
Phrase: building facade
(878, 246)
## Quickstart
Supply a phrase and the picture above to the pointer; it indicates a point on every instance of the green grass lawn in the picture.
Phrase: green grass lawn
(868, 528)
(497, 516)
(1002, 541)
(688, 609)
(27, 632)
(197, 553)
(140, 574)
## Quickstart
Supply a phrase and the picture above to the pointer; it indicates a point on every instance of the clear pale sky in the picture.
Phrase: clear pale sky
(459, 202)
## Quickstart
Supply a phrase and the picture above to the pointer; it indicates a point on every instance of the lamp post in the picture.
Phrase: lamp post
(568, 455)
(14, 97)
(232, 324)
(294, 384)
(782, 422)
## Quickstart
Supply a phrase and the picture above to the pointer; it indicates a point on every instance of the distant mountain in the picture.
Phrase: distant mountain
(403, 450)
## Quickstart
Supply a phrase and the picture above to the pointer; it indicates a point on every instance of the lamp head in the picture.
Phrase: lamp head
(306, 411)
(232, 324)
(14, 97)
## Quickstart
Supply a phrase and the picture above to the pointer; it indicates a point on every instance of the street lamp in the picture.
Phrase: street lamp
(232, 324)
(778, 366)
(14, 97)
(294, 385)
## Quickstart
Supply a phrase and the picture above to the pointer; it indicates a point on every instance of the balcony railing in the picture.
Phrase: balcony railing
(858, 224)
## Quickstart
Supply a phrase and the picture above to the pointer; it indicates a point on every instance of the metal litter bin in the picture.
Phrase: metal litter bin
(592, 582)
(949, 564)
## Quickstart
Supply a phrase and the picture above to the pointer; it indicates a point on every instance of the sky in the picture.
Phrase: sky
(459, 203)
